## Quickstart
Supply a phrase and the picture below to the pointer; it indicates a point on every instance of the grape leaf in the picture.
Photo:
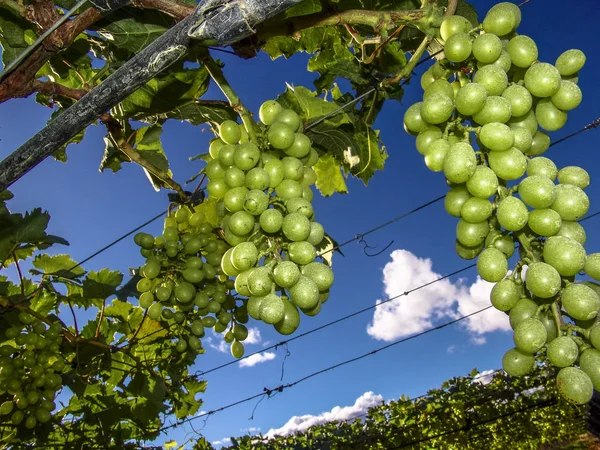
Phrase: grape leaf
(209, 208)
(169, 94)
(310, 107)
(57, 265)
(43, 302)
(329, 176)
(101, 285)
(133, 29)
(12, 35)
(16, 229)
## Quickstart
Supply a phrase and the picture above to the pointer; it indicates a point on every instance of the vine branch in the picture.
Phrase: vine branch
(234, 100)
(14, 255)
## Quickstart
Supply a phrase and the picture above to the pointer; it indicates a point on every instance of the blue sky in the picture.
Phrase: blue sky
(90, 209)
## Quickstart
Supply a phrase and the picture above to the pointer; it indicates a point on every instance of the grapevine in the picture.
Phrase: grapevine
(487, 108)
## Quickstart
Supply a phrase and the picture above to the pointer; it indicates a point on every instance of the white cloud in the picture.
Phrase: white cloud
(257, 359)
(451, 349)
(424, 308)
(250, 430)
(302, 423)
(222, 441)
(484, 377)
(254, 336)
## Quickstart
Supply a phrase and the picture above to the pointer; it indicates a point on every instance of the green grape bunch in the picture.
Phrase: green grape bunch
(261, 260)
(31, 365)
(487, 109)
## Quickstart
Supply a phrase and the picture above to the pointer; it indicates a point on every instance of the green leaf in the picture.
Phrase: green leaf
(197, 113)
(43, 302)
(371, 155)
(12, 35)
(102, 284)
(170, 94)
(329, 176)
(57, 265)
(118, 309)
(333, 140)
(310, 107)
(113, 156)
(464, 9)
(209, 208)
(133, 29)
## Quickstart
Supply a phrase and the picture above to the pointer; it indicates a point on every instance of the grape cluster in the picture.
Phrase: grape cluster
(30, 371)
(182, 284)
(484, 119)
(261, 261)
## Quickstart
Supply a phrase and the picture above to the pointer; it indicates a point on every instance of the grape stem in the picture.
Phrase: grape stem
(557, 318)
(573, 328)
(407, 70)
(218, 77)
(14, 255)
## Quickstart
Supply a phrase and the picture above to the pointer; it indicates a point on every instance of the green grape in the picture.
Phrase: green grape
(530, 335)
(504, 243)
(436, 153)
(568, 97)
(460, 163)
(413, 121)
(470, 99)
(234, 177)
(230, 132)
(566, 255)
(216, 188)
(487, 48)
(256, 202)
(492, 265)
(455, 199)
(258, 178)
(562, 351)
(241, 223)
(286, 274)
(512, 214)
(144, 285)
(305, 293)
(571, 202)
(457, 48)
(580, 301)
(244, 256)
(299, 205)
(476, 210)
(281, 135)
(590, 364)
(237, 349)
(549, 117)
(573, 230)
(503, 61)
(290, 118)
(293, 169)
(271, 220)
(269, 111)
(492, 78)
(302, 252)
(454, 24)
(543, 280)
(508, 165)
(542, 80)
(517, 363)
(545, 222)
(440, 86)
(290, 321)
(466, 252)
(525, 308)
(271, 309)
(482, 184)
(523, 51)
(437, 108)
(320, 273)
(471, 234)
(592, 266)
(296, 227)
(542, 166)
(520, 99)
(496, 136)
(259, 281)
(574, 175)
(523, 139)
(495, 109)
(317, 233)
(301, 146)
(288, 189)
(538, 191)
(234, 199)
(505, 294)
(426, 138)
(574, 385)
(570, 62)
